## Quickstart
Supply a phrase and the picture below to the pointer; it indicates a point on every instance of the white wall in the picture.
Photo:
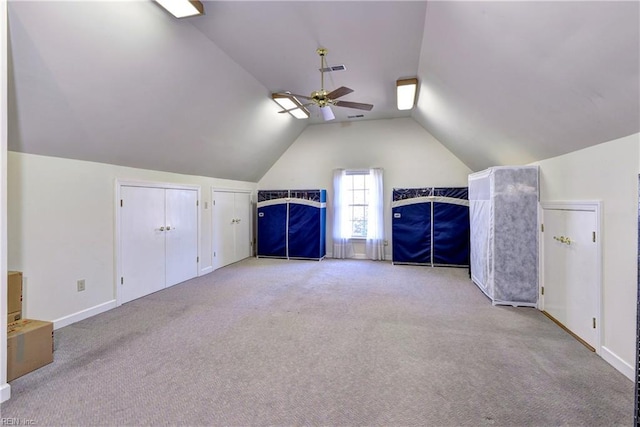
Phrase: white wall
(607, 172)
(409, 155)
(61, 228)
(5, 390)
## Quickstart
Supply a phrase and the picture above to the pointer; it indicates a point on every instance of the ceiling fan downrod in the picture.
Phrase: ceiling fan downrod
(322, 52)
(320, 96)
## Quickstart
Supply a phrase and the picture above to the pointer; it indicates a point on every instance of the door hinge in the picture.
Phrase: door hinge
(197, 259)
(214, 254)
(542, 228)
(120, 202)
(594, 323)
(214, 203)
(594, 236)
(122, 280)
(542, 290)
(197, 202)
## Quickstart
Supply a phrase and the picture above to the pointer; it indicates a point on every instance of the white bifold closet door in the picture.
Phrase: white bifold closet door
(141, 242)
(242, 203)
(181, 242)
(158, 239)
(231, 227)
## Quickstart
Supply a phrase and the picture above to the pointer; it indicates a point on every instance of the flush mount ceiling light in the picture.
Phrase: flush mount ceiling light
(407, 89)
(291, 105)
(182, 8)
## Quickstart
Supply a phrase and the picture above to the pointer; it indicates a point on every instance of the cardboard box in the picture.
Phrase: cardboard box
(29, 346)
(14, 288)
(14, 317)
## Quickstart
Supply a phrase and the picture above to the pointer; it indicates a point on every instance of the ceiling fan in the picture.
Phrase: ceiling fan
(324, 99)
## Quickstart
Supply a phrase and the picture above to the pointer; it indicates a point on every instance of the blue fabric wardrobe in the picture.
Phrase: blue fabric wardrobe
(291, 223)
(430, 226)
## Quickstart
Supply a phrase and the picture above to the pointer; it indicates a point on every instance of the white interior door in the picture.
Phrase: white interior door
(181, 235)
(223, 231)
(142, 242)
(571, 271)
(242, 225)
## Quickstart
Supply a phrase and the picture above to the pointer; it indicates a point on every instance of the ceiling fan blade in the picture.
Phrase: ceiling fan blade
(292, 94)
(356, 105)
(341, 91)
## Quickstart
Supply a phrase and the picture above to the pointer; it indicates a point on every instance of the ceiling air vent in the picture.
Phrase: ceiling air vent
(333, 68)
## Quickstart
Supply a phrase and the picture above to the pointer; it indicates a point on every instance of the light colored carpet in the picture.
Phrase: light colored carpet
(277, 342)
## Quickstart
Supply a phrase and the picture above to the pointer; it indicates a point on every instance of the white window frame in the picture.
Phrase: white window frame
(350, 199)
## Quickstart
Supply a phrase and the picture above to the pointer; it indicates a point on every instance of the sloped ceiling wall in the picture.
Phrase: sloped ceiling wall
(126, 84)
(516, 82)
(501, 82)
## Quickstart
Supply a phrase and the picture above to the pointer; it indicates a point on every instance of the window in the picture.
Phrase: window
(356, 185)
(358, 212)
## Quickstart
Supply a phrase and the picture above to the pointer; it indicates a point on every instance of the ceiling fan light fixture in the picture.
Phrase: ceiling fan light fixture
(297, 110)
(327, 113)
(406, 93)
(182, 8)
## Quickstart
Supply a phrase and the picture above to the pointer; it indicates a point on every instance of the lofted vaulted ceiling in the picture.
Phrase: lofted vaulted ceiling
(500, 82)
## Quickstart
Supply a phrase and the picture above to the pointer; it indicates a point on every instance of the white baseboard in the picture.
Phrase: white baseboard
(206, 270)
(5, 392)
(84, 314)
(615, 361)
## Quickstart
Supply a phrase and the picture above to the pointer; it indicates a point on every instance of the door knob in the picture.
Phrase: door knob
(563, 239)
(168, 227)
(161, 228)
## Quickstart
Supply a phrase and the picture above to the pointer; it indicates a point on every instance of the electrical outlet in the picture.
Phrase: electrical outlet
(81, 285)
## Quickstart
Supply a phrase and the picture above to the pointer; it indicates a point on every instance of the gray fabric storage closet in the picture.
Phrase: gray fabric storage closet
(503, 211)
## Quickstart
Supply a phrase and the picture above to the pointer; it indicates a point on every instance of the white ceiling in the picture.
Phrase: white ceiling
(500, 82)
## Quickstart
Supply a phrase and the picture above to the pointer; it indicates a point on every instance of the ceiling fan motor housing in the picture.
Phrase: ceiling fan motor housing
(320, 97)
